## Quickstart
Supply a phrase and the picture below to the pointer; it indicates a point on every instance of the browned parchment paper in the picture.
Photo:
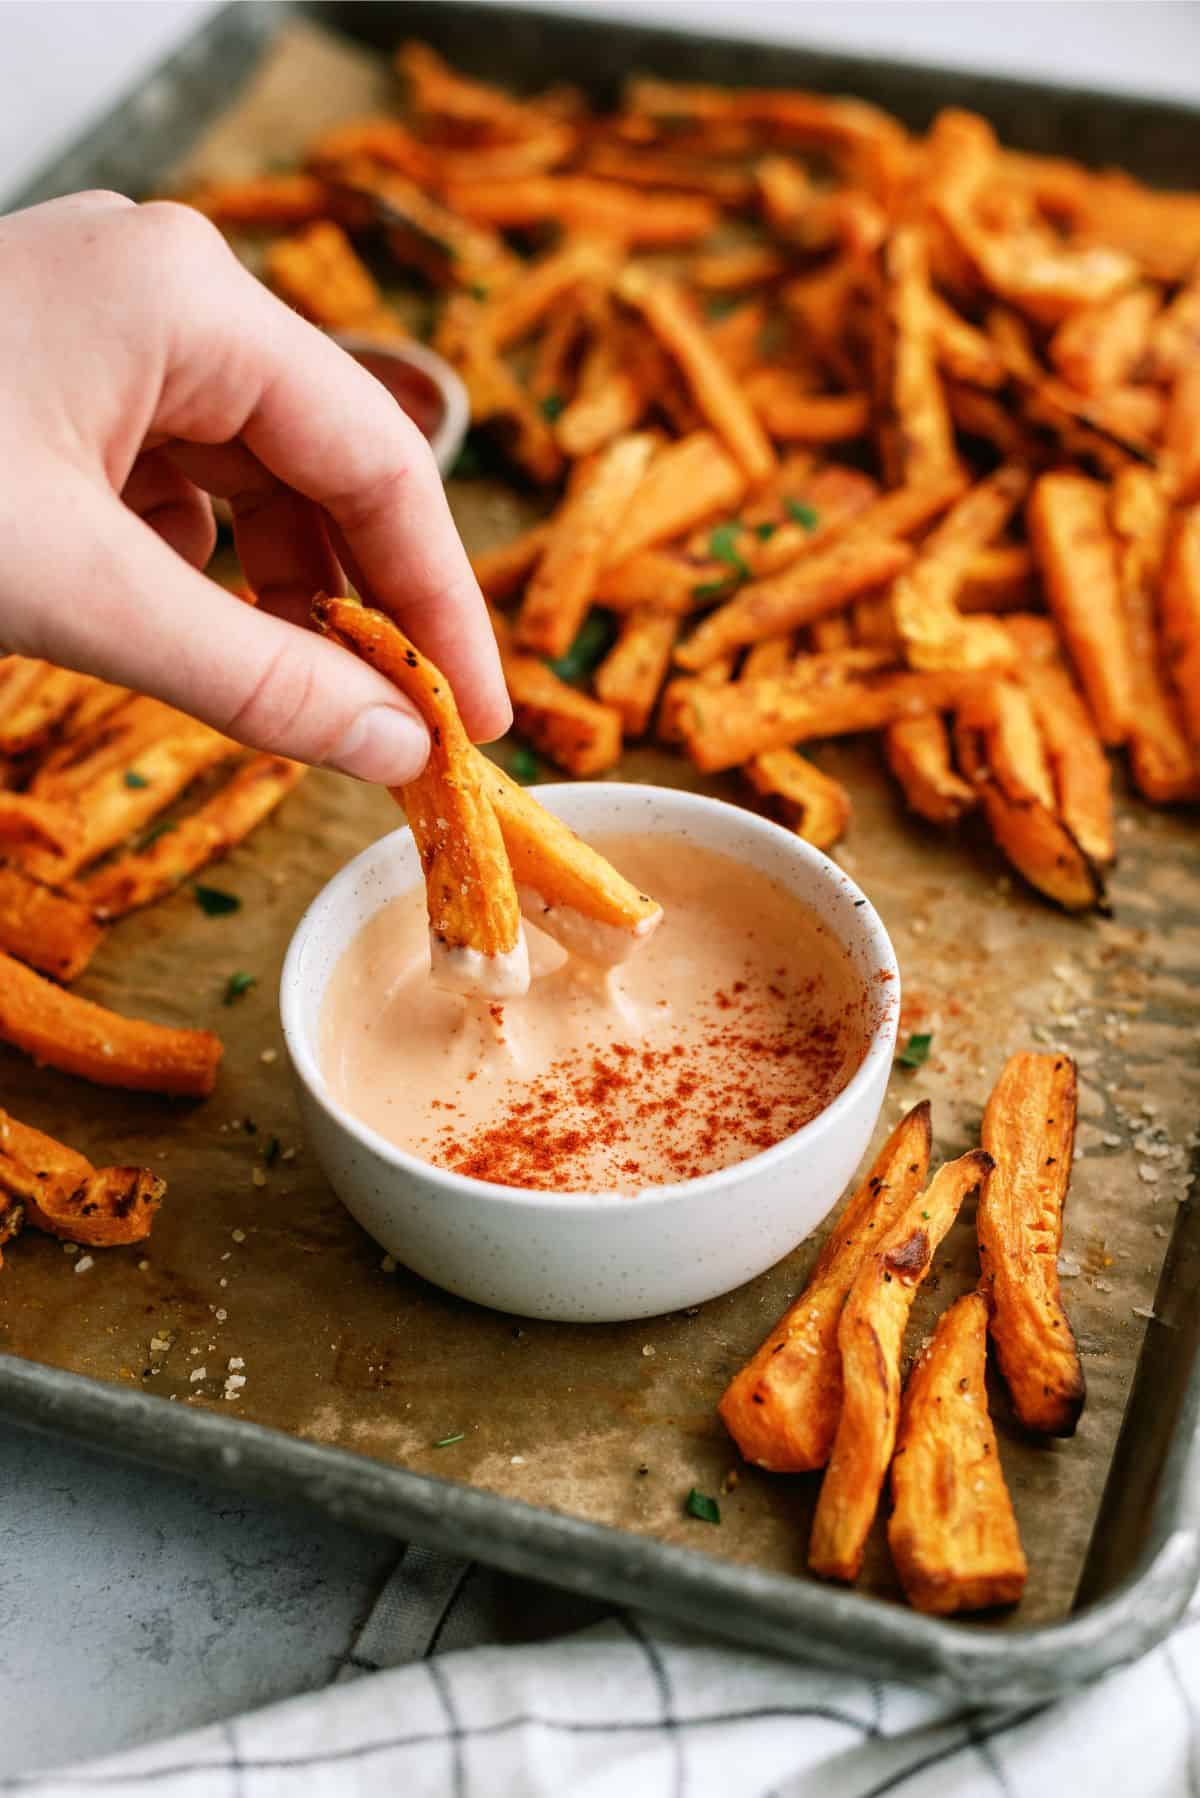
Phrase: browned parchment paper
(260, 1267)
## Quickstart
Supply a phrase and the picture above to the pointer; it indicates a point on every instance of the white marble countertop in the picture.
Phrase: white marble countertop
(134, 1604)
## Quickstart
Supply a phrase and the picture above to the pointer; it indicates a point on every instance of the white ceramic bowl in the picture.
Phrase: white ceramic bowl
(579, 1257)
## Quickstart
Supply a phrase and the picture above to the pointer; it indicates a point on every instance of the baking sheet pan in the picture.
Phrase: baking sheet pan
(344, 1360)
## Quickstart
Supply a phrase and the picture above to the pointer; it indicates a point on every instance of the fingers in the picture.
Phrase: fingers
(153, 623)
(250, 368)
(166, 500)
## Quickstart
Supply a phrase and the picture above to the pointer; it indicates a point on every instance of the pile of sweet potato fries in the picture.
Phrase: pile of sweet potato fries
(843, 430)
(824, 1389)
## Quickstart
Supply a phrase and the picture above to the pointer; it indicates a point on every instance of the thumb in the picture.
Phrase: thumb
(109, 597)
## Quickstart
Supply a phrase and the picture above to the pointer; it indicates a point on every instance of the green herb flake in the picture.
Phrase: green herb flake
(915, 1052)
(699, 1504)
(553, 406)
(237, 984)
(523, 765)
(449, 1441)
(715, 589)
(803, 515)
(590, 646)
(925, 1215)
(155, 831)
(765, 531)
(271, 1153)
(722, 547)
(134, 779)
(479, 291)
(214, 903)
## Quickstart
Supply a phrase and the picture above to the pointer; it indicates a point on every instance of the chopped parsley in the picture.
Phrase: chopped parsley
(715, 589)
(214, 903)
(448, 1441)
(699, 1504)
(765, 531)
(523, 765)
(722, 547)
(553, 406)
(478, 291)
(271, 1153)
(915, 1052)
(155, 831)
(592, 643)
(134, 779)
(803, 514)
(237, 984)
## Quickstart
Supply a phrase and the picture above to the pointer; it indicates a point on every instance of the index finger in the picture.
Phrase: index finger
(253, 369)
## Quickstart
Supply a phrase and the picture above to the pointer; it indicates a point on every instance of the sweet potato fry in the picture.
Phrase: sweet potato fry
(934, 632)
(1082, 776)
(782, 1409)
(772, 656)
(554, 371)
(522, 305)
(1068, 528)
(437, 241)
(918, 754)
(1003, 579)
(673, 320)
(687, 482)
(1029, 1130)
(1174, 337)
(113, 740)
(319, 274)
(952, 1531)
(64, 1031)
(64, 1195)
(497, 398)
(830, 501)
(620, 372)
(821, 696)
(730, 271)
(39, 823)
(870, 1339)
(813, 803)
(1181, 616)
(791, 414)
(565, 887)
(34, 697)
(1102, 346)
(503, 571)
(262, 203)
(674, 702)
(382, 139)
(560, 591)
(663, 579)
(571, 728)
(962, 349)
(1181, 433)
(53, 933)
(476, 940)
(873, 625)
(915, 431)
(143, 875)
(119, 801)
(451, 102)
(723, 182)
(809, 589)
(737, 336)
(827, 635)
(632, 673)
(576, 202)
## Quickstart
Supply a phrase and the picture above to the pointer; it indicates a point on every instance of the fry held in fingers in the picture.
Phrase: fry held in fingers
(952, 1533)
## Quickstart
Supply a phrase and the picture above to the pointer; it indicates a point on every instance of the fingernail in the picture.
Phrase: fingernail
(383, 744)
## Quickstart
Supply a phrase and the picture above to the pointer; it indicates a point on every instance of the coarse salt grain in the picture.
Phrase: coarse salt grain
(648, 1349)
(1146, 1311)
(238, 1235)
(236, 1361)
(258, 1178)
(198, 1373)
(269, 1055)
(84, 1262)
(220, 1314)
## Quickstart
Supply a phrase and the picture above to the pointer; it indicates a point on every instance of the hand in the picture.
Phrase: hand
(143, 369)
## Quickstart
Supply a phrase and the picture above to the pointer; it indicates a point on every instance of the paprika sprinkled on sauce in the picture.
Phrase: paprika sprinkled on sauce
(737, 1023)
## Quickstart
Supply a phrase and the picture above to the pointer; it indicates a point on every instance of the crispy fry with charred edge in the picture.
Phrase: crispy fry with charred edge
(674, 702)
(1029, 1130)
(918, 754)
(578, 203)
(113, 805)
(1082, 776)
(1001, 753)
(113, 740)
(632, 673)
(262, 203)
(1160, 756)
(64, 1031)
(1102, 346)
(475, 930)
(571, 728)
(833, 695)
(142, 875)
(438, 242)
(1068, 528)
(503, 571)
(53, 933)
(952, 1532)
(319, 274)
(566, 888)
(790, 413)
(64, 1195)
(782, 1409)
(497, 398)
(686, 483)
(815, 805)
(38, 822)
(672, 318)
(934, 632)
(34, 698)
(916, 435)
(810, 588)
(561, 588)
(870, 1339)
(1181, 616)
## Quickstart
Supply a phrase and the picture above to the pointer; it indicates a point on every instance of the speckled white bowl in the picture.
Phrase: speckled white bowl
(580, 1257)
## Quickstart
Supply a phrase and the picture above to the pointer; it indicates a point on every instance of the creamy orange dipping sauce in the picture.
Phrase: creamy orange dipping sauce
(735, 1023)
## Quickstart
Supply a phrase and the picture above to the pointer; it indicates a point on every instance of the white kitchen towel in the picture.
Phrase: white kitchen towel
(631, 1708)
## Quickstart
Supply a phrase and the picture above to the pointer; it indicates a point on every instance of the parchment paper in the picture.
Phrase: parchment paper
(610, 1423)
